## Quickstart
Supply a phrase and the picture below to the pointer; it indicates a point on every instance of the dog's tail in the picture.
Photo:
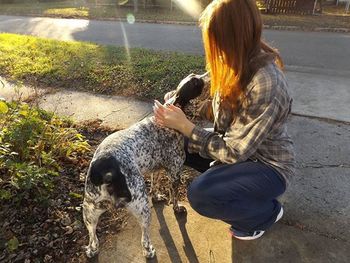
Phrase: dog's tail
(106, 170)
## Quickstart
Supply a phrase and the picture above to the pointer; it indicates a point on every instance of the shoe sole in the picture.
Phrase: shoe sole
(279, 216)
(249, 238)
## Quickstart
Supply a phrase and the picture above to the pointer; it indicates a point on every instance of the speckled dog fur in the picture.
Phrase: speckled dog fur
(116, 171)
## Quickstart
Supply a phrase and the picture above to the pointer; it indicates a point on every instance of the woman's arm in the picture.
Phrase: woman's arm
(268, 105)
(238, 144)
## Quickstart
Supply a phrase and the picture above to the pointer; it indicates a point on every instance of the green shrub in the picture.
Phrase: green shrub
(33, 145)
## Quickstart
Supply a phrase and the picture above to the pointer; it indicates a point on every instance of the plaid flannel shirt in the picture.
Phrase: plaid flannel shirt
(258, 132)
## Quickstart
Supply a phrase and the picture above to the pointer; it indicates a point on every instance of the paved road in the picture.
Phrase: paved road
(303, 51)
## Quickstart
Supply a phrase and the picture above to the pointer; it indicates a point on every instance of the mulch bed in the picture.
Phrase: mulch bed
(55, 232)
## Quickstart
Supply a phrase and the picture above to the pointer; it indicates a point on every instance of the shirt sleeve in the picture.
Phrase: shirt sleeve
(239, 143)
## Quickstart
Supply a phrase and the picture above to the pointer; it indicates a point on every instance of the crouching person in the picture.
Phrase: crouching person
(248, 158)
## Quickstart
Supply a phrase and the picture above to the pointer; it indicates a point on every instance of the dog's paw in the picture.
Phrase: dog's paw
(150, 252)
(180, 209)
(90, 253)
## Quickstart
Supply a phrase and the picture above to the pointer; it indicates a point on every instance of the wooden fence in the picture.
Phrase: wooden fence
(303, 7)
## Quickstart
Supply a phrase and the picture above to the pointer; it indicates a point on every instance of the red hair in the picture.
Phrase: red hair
(233, 47)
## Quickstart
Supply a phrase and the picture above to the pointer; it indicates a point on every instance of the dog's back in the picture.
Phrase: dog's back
(144, 144)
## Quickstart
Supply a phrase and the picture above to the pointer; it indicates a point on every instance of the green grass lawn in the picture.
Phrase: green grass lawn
(89, 11)
(90, 67)
(332, 16)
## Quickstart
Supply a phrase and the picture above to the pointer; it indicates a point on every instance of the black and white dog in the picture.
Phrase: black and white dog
(116, 171)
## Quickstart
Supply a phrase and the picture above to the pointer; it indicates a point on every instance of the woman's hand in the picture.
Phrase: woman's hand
(168, 95)
(172, 117)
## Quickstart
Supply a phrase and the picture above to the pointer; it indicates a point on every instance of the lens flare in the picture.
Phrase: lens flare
(192, 7)
(125, 37)
(130, 18)
(126, 41)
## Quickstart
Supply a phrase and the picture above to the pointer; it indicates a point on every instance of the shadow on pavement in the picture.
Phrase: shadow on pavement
(188, 247)
(165, 234)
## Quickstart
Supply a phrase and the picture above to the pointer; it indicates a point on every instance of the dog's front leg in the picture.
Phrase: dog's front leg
(175, 196)
(156, 196)
(91, 214)
(175, 182)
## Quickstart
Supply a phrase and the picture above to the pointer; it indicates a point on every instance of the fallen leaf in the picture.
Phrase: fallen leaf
(12, 244)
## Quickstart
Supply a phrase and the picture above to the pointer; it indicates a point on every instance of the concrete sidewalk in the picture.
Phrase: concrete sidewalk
(316, 225)
(317, 95)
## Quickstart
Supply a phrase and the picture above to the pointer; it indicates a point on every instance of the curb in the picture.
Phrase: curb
(151, 21)
(316, 29)
(317, 71)
(335, 30)
(270, 27)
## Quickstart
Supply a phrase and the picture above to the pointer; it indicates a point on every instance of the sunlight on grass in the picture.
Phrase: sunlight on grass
(90, 67)
(67, 28)
(68, 12)
(336, 10)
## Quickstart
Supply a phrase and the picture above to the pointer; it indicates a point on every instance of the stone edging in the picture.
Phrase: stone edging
(316, 29)
(286, 28)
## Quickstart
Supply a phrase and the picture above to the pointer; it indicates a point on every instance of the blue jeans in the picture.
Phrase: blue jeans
(242, 195)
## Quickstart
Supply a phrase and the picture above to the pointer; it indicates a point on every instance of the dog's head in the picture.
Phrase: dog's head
(189, 88)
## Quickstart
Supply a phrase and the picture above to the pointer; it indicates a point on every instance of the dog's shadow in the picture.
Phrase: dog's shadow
(168, 240)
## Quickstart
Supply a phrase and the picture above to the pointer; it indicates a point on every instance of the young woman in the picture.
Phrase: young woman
(247, 160)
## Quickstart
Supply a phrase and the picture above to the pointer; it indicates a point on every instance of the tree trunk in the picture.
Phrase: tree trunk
(136, 7)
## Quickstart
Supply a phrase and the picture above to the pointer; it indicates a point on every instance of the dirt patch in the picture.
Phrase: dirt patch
(55, 232)
(52, 231)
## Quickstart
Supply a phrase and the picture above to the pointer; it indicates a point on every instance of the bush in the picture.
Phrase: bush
(33, 145)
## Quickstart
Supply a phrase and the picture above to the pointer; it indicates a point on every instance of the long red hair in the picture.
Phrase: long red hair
(233, 46)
